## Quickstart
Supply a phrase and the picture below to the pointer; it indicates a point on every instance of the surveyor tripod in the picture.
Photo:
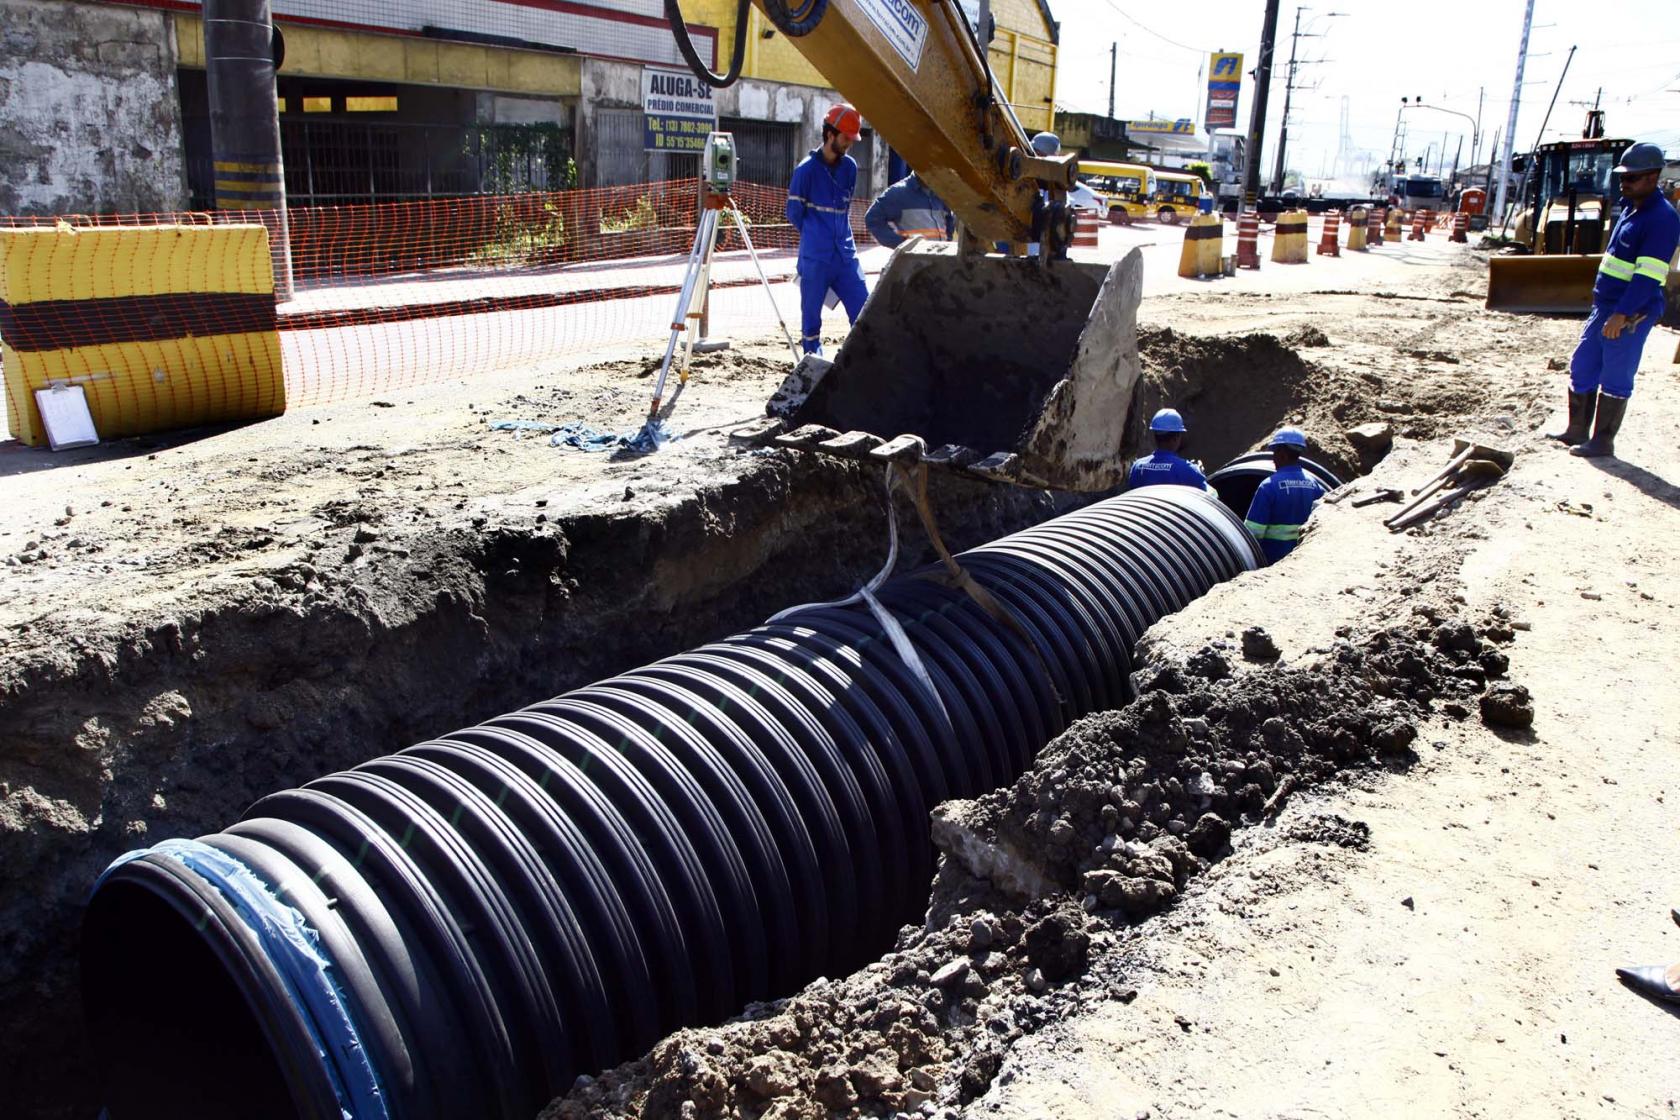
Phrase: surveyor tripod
(686, 324)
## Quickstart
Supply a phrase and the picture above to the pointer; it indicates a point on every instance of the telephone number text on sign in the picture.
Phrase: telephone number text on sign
(675, 134)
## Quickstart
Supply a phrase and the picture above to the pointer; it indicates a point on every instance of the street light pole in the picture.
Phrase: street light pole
(1511, 117)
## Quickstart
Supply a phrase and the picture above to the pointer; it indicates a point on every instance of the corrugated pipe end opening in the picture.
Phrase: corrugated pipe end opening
(173, 1033)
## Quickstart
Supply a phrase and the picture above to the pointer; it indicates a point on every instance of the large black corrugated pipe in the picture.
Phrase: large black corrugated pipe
(1236, 481)
(461, 928)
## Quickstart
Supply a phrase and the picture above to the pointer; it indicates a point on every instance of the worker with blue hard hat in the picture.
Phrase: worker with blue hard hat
(1627, 302)
(1165, 467)
(1285, 500)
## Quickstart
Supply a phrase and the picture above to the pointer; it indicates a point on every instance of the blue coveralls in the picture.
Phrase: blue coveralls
(1165, 468)
(1280, 507)
(819, 205)
(1630, 282)
(905, 209)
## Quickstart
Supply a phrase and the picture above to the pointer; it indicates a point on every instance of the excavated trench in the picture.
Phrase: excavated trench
(183, 725)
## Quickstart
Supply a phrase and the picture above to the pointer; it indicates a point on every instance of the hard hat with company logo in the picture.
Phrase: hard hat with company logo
(845, 120)
(1167, 420)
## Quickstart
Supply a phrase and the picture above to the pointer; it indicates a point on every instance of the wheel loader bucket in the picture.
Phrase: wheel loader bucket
(1560, 285)
(1000, 367)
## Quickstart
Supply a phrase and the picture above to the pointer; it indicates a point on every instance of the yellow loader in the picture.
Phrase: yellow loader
(1562, 224)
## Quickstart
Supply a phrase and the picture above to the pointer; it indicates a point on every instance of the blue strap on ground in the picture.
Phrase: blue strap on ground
(649, 437)
(294, 948)
(576, 434)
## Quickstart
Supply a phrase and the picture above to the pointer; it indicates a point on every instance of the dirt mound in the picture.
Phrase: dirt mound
(1235, 390)
(1110, 825)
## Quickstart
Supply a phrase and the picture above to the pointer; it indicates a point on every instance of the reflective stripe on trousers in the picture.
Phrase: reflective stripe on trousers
(1274, 532)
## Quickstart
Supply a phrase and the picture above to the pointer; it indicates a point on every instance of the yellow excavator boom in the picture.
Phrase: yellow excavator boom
(1002, 368)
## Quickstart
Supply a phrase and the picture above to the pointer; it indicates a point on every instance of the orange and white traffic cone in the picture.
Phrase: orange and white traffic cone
(1374, 232)
(1420, 219)
(1248, 241)
(1086, 227)
(1461, 223)
(1329, 244)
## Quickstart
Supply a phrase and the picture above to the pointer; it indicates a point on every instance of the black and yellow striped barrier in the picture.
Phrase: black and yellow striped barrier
(1204, 245)
(164, 326)
(1359, 228)
(1289, 239)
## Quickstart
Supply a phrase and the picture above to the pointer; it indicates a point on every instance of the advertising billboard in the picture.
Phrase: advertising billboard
(1224, 83)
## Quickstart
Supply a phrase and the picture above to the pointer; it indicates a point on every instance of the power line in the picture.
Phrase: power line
(1151, 31)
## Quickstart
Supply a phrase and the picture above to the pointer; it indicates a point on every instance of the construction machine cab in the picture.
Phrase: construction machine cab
(1572, 192)
(1570, 196)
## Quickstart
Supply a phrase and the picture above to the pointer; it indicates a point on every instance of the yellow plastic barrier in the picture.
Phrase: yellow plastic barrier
(1359, 219)
(1289, 239)
(1204, 246)
(1392, 231)
(162, 326)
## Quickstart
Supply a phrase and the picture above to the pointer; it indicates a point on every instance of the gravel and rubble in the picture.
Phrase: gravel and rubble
(1040, 882)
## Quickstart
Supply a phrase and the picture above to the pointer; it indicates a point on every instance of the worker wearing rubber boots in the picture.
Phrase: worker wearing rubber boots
(1285, 500)
(908, 209)
(819, 206)
(1165, 467)
(1627, 302)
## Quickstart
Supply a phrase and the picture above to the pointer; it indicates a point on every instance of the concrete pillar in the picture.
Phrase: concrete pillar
(240, 58)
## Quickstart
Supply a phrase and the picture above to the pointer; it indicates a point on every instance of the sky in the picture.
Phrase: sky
(1445, 52)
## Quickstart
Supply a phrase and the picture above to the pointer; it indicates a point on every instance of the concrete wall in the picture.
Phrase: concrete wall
(89, 116)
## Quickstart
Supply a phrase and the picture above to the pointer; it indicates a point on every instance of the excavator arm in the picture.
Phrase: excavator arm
(1009, 370)
(915, 70)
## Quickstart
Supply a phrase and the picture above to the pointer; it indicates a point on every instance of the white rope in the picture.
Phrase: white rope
(901, 643)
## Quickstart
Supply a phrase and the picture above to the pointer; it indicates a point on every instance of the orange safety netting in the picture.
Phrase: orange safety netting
(393, 294)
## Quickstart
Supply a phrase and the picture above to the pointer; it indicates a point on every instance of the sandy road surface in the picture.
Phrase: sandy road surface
(1463, 964)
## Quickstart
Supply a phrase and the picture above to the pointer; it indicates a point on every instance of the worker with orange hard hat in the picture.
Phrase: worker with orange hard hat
(819, 206)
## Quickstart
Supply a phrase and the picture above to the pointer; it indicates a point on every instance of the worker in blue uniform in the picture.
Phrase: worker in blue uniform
(1284, 501)
(1165, 467)
(819, 206)
(1044, 144)
(1627, 303)
(908, 209)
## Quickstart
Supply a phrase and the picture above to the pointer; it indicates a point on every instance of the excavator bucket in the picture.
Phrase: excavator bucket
(1558, 285)
(993, 366)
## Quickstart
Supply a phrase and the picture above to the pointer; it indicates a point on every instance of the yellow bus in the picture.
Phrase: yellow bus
(1175, 195)
(1126, 187)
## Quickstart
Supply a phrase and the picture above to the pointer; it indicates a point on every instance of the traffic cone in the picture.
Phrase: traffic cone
(1329, 244)
(1248, 241)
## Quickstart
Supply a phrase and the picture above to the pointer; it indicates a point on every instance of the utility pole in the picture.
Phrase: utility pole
(1113, 57)
(1533, 167)
(240, 60)
(1288, 92)
(1257, 117)
(1511, 117)
(1476, 137)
